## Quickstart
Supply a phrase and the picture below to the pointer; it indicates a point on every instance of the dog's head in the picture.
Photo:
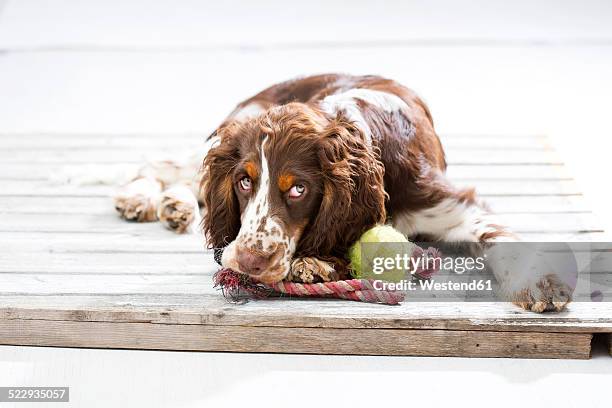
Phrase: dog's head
(290, 181)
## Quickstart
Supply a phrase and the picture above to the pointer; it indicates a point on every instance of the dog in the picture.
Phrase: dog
(295, 174)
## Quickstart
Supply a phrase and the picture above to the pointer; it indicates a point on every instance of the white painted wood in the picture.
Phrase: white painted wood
(44, 171)
(149, 239)
(93, 156)
(111, 223)
(196, 308)
(296, 339)
(484, 187)
(194, 279)
(113, 263)
(107, 283)
(92, 205)
(144, 141)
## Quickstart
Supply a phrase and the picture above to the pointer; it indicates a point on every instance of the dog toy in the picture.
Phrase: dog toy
(235, 286)
(381, 239)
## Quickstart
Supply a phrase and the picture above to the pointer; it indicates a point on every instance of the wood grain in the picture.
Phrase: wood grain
(397, 342)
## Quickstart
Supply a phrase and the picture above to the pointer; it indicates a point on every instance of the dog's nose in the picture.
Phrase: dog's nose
(251, 263)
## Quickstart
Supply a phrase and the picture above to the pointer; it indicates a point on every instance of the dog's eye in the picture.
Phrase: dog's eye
(245, 184)
(297, 191)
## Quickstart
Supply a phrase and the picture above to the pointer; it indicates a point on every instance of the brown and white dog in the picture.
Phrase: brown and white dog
(298, 172)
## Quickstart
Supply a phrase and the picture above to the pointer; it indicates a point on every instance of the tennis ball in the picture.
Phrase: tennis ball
(390, 242)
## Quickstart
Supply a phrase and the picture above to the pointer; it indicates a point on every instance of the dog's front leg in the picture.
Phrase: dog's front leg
(310, 269)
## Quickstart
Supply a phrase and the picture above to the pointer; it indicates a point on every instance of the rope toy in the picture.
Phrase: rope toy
(233, 284)
(238, 287)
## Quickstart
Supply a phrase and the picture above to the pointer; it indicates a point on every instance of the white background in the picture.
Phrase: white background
(544, 67)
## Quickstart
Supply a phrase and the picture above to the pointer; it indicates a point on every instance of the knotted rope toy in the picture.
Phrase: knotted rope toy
(237, 287)
(233, 284)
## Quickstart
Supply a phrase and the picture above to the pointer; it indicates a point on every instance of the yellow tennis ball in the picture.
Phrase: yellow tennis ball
(385, 236)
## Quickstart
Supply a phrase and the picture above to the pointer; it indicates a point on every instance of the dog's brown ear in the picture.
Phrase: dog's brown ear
(222, 211)
(353, 192)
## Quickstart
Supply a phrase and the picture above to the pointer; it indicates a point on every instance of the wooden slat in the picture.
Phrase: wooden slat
(582, 236)
(182, 277)
(108, 263)
(143, 142)
(109, 283)
(484, 187)
(93, 156)
(549, 172)
(296, 339)
(199, 308)
(111, 223)
(150, 239)
(195, 261)
(88, 205)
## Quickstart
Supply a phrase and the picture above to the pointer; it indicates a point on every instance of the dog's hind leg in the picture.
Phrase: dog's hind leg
(179, 210)
(139, 199)
(164, 191)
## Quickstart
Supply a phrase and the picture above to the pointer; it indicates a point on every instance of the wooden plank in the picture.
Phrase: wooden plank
(111, 223)
(64, 282)
(155, 240)
(150, 239)
(69, 260)
(484, 187)
(491, 156)
(87, 205)
(45, 171)
(144, 142)
(202, 308)
(549, 172)
(56, 205)
(106, 263)
(115, 279)
(295, 339)
(581, 236)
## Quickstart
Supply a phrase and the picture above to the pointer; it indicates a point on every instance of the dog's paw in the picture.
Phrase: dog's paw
(547, 294)
(178, 210)
(136, 208)
(309, 270)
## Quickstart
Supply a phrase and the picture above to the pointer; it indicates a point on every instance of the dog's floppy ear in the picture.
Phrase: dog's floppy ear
(222, 211)
(353, 198)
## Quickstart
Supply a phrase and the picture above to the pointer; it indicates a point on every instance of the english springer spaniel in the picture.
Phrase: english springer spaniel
(295, 174)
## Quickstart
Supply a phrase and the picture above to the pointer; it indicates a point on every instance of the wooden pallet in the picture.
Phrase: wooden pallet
(73, 275)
